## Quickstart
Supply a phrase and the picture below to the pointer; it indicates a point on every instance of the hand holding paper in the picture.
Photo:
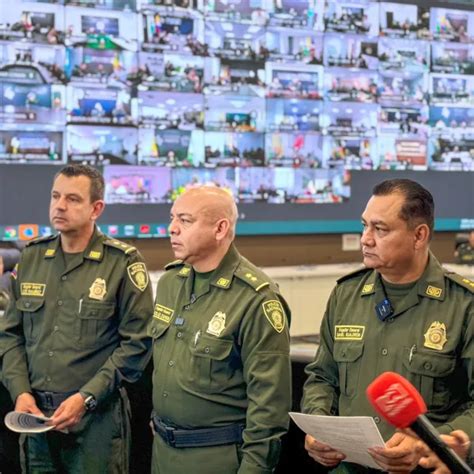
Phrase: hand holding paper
(26, 422)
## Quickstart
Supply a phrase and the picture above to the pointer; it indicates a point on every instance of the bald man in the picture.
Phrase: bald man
(221, 384)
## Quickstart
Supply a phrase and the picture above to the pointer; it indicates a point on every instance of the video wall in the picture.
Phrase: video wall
(276, 100)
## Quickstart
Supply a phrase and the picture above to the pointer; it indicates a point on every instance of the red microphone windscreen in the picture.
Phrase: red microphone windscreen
(395, 399)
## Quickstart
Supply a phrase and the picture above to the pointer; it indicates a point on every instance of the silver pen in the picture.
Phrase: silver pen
(80, 305)
(196, 337)
(412, 351)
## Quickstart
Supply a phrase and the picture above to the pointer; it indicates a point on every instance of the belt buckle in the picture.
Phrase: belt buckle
(170, 439)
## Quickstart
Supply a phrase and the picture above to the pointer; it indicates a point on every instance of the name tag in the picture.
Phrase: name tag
(163, 313)
(349, 333)
(32, 289)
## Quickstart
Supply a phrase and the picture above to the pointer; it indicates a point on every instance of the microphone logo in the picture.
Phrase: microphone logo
(394, 400)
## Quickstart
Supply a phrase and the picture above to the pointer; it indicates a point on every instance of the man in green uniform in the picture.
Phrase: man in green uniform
(464, 252)
(221, 385)
(74, 331)
(403, 313)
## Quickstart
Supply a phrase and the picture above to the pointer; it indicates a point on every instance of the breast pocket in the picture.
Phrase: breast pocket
(156, 330)
(432, 374)
(32, 317)
(348, 355)
(211, 366)
(96, 324)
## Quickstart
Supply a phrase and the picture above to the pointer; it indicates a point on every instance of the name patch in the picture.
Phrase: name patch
(32, 289)
(163, 313)
(349, 333)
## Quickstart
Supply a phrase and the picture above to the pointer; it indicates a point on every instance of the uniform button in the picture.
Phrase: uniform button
(384, 352)
(60, 302)
(27, 304)
(48, 379)
(179, 334)
(153, 331)
(207, 350)
(187, 307)
(427, 365)
(50, 353)
(171, 363)
(390, 320)
(64, 278)
(165, 394)
(376, 419)
(56, 328)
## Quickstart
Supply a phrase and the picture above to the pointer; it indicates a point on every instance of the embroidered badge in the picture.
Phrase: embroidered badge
(434, 291)
(50, 253)
(138, 274)
(216, 324)
(184, 271)
(98, 289)
(349, 333)
(435, 337)
(275, 314)
(94, 255)
(163, 313)
(367, 288)
(223, 282)
(32, 289)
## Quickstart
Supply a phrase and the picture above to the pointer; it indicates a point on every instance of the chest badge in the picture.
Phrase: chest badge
(216, 324)
(435, 337)
(98, 289)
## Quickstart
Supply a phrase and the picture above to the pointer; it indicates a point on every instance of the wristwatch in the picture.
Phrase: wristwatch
(90, 403)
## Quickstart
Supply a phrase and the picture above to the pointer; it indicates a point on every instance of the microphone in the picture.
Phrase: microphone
(396, 400)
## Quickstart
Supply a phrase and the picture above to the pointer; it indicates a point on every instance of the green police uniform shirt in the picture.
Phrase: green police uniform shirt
(76, 323)
(428, 340)
(222, 356)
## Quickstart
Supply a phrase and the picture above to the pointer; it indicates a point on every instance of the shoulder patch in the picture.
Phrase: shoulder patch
(174, 264)
(252, 278)
(461, 281)
(138, 275)
(353, 274)
(125, 248)
(41, 239)
(275, 314)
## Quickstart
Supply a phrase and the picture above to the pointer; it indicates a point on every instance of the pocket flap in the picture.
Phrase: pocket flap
(212, 347)
(429, 364)
(96, 310)
(29, 305)
(348, 351)
(156, 329)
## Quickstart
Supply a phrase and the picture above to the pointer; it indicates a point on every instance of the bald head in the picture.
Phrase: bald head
(214, 203)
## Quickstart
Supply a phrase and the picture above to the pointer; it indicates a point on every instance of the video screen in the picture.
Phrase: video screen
(88, 105)
(102, 145)
(136, 185)
(39, 146)
(452, 152)
(408, 88)
(32, 22)
(452, 120)
(404, 120)
(359, 17)
(451, 89)
(166, 110)
(350, 85)
(173, 31)
(452, 58)
(253, 11)
(350, 119)
(293, 115)
(404, 21)
(351, 153)
(28, 103)
(235, 114)
(402, 153)
(344, 50)
(289, 45)
(298, 14)
(126, 5)
(294, 81)
(29, 63)
(295, 149)
(404, 54)
(234, 149)
(173, 148)
(169, 72)
(452, 25)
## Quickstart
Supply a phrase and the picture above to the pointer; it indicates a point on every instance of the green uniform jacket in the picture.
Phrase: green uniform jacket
(222, 357)
(429, 341)
(80, 328)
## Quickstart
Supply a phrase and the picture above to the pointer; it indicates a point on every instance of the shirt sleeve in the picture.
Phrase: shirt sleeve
(10, 258)
(128, 361)
(265, 351)
(321, 390)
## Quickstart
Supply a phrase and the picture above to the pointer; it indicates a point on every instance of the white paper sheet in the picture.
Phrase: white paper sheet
(352, 435)
(26, 422)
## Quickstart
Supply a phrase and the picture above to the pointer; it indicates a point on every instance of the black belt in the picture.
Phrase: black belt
(179, 438)
(50, 400)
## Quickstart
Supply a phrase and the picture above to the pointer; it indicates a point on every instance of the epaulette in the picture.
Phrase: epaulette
(461, 281)
(353, 274)
(117, 244)
(252, 278)
(47, 238)
(173, 264)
